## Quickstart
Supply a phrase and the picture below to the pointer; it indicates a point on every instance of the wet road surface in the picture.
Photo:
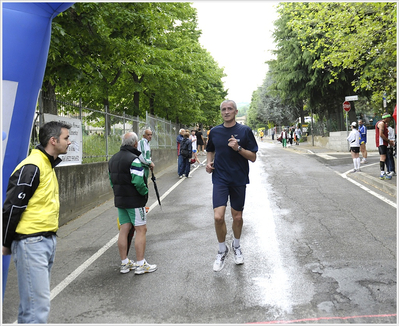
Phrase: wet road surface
(317, 249)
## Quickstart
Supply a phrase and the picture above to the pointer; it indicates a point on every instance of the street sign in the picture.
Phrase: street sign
(351, 98)
(347, 106)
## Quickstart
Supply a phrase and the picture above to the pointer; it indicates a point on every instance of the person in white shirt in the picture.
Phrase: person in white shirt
(145, 149)
(354, 143)
(193, 139)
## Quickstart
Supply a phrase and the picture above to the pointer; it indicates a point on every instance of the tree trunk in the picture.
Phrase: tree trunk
(48, 95)
(136, 103)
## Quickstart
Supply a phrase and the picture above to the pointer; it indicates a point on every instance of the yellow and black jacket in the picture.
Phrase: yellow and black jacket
(32, 199)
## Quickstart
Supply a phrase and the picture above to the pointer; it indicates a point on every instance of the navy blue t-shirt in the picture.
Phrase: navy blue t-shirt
(230, 167)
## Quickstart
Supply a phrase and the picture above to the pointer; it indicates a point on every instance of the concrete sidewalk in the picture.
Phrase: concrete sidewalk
(369, 174)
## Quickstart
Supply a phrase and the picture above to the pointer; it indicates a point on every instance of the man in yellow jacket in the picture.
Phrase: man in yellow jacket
(30, 221)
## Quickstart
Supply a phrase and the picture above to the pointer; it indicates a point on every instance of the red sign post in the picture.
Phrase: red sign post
(347, 106)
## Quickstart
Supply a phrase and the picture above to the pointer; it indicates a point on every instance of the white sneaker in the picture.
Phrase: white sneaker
(126, 268)
(189, 176)
(363, 161)
(238, 257)
(220, 260)
(145, 268)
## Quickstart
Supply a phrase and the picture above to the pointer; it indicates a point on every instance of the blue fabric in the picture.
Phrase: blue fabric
(363, 134)
(26, 40)
(230, 167)
(180, 170)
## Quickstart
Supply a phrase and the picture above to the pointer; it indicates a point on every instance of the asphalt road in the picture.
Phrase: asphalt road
(317, 247)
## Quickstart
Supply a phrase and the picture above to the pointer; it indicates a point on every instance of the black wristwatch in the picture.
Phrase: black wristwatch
(239, 149)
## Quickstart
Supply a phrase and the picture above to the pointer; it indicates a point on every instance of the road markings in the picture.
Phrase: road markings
(371, 192)
(71, 277)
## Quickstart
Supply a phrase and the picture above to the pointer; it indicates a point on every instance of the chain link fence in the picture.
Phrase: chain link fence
(102, 131)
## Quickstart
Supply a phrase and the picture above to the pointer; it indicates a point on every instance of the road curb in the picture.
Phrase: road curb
(382, 185)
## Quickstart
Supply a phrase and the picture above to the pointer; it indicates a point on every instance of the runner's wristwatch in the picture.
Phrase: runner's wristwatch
(239, 149)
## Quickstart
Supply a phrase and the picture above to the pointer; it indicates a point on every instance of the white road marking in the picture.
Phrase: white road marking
(371, 192)
(71, 277)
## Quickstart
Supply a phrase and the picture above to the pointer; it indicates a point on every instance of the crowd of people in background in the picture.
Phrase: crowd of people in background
(190, 145)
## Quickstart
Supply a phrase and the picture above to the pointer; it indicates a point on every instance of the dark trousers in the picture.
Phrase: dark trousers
(180, 170)
(390, 161)
(186, 166)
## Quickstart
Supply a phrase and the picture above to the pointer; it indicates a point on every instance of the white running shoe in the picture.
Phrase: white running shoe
(238, 257)
(220, 260)
(145, 268)
(126, 268)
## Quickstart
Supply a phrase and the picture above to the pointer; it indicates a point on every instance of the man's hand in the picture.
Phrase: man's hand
(6, 251)
(233, 143)
(209, 167)
(152, 165)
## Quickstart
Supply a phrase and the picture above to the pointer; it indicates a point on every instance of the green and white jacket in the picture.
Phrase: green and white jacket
(145, 157)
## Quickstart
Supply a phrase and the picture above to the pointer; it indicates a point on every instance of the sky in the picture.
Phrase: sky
(238, 35)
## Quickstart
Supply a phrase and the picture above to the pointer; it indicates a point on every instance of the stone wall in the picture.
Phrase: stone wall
(85, 186)
(337, 141)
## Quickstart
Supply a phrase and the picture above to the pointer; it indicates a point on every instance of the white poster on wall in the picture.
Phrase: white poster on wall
(74, 153)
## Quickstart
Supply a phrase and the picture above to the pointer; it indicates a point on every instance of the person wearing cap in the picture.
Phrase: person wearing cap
(382, 141)
(363, 140)
(353, 139)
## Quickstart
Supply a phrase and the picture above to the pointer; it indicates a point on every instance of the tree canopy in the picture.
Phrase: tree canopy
(135, 57)
(324, 52)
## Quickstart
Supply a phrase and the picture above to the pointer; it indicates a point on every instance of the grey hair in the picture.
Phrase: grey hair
(129, 139)
(229, 101)
(145, 129)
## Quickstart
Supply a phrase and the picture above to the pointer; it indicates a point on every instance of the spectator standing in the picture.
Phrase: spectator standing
(298, 134)
(230, 147)
(284, 137)
(200, 142)
(382, 141)
(363, 140)
(129, 184)
(193, 139)
(353, 139)
(179, 139)
(390, 161)
(291, 135)
(145, 149)
(273, 132)
(186, 154)
(30, 221)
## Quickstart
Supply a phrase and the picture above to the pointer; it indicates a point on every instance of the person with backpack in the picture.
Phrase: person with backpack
(186, 153)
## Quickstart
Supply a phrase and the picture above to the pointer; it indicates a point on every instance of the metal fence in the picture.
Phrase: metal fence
(102, 131)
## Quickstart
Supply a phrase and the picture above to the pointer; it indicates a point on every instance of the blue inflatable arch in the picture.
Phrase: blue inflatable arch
(26, 41)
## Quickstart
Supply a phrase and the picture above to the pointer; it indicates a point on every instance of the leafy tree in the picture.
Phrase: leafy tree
(356, 36)
(134, 57)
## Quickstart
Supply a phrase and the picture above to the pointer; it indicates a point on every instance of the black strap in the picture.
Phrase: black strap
(38, 234)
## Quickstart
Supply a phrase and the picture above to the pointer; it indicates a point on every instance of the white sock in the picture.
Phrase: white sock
(141, 262)
(358, 163)
(354, 163)
(125, 261)
(236, 243)
(222, 246)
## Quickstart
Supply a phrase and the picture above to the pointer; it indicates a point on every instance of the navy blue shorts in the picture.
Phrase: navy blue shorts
(236, 193)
